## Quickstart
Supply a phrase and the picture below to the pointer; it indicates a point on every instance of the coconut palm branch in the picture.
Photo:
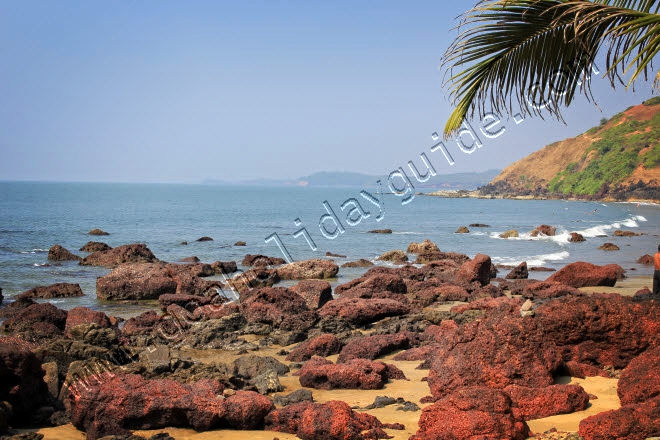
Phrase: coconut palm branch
(535, 55)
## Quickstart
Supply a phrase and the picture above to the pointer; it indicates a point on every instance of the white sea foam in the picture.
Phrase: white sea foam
(532, 260)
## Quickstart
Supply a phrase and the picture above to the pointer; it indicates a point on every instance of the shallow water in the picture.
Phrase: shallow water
(35, 216)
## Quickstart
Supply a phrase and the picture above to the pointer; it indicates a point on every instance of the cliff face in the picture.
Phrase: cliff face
(618, 160)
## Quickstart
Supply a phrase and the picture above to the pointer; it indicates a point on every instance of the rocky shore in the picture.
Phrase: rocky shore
(450, 347)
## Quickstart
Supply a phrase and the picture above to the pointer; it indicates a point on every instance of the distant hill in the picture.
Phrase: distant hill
(617, 160)
(469, 181)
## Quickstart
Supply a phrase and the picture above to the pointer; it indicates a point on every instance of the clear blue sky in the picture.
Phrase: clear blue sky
(165, 91)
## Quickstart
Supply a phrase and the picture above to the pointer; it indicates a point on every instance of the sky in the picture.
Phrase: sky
(174, 91)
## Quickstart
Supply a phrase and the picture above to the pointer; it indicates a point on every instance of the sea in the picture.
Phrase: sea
(301, 223)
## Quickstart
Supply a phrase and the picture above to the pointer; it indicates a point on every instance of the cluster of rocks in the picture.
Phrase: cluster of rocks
(492, 360)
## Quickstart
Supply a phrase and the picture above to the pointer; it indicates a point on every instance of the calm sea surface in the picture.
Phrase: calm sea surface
(36, 216)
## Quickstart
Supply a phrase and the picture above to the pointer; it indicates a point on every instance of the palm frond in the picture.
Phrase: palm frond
(535, 55)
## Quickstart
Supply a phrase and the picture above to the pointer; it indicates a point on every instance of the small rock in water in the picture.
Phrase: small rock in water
(183, 243)
(576, 238)
(205, 238)
(462, 230)
(396, 256)
(97, 231)
(240, 243)
(620, 233)
(380, 231)
(192, 259)
(330, 254)
(609, 247)
(511, 233)
(479, 225)
(645, 259)
(359, 263)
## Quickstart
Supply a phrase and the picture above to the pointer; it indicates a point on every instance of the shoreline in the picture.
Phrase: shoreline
(475, 194)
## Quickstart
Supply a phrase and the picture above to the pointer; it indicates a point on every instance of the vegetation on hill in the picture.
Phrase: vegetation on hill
(618, 159)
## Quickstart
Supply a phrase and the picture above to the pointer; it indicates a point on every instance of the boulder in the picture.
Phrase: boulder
(254, 278)
(644, 294)
(58, 253)
(380, 231)
(315, 292)
(255, 260)
(549, 289)
(582, 274)
(97, 231)
(188, 302)
(142, 324)
(15, 307)
(576, 238)
(121, 402)
(21, 380)
(478, 269)
(620, 233)
(428, 257)
(139, 281)
(333, 420)
(603, 330)
(496, 351)
(323, 345)
(58, 290)
(84, 315)
(359, 263)
(130, 253)
(462, 230)
(301, 395)
(361, 374)
(425, 246)
(511, 233)
(546, 230)
(277, 307)
(640, 380)
(192, 259)
(645, 259)
(518, 273)
(306, 269)
(608, 247)
(95, 246)
(396, 256)
(37, 321)
(251, 366)
(536, 403)
(374, 282)
(372, 347)
(331, 254)
(630, 422)
(360, 311)
(224, 267)
(472, 413)
(205, 238)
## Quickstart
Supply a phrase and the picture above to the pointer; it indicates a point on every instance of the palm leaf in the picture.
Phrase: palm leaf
(525, 53)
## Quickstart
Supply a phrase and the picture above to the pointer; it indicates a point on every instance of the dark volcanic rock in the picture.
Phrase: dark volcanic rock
(301, 395)
(380, 231)
(330, 254)
(645, 259)
(581, 274)
(322, 345)
(640, 380)
(278, 307)
(306, 269)
(21, 379)
(537, 403)
(130, 253)
(240, 243)
(122, 402)
(576, 238)
(224, 267)
(423, 247)
(333, 420)
(472, 413)
(58, 290)
(359, 263)
(359, 311)
(188, 302)
(58, 253)
(549, 289)
(518, 273)
(15, 307)
(477, 269)
(315, 292)
(205, 238)
(372, 347)
(37, 321)
(497, 351)
(360, 374)
(254, 260)
(95, 246)
(150, 280)
(97, 232)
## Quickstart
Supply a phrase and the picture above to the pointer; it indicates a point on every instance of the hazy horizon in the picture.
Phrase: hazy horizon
(186, 92)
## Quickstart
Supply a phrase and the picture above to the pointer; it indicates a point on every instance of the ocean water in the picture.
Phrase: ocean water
(36, 216)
